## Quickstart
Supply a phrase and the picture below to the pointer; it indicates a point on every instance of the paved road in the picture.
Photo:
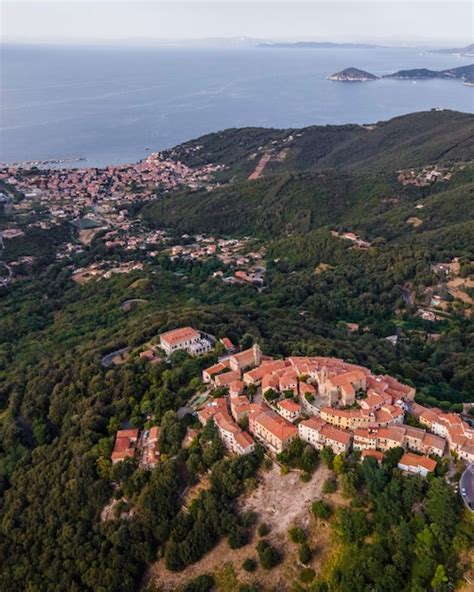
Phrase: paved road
(108, 359)
(467, 483)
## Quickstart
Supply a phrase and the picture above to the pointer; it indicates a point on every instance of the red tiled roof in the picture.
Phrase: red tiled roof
(178, 335)
(289, 405)
(331, 433)
(414, 460)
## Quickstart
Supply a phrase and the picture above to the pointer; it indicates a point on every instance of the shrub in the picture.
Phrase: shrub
(249, 564)
(202, 583)
(329, 486)
(297, 534)
(319, 586)
(307, 575)
(305, 477)
(321, 509)
(255, 587)
(237, 538)
(304, 553)
(248, 519)
(268, 556)
(263, 529)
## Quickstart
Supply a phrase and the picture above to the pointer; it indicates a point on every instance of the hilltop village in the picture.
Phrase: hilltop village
(323, 401)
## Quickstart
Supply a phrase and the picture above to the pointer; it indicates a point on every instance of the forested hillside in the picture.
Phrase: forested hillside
(283, 204)
(407, 141)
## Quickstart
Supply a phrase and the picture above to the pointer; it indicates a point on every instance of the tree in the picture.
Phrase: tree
(321, 509)
(328, 456)
(203, 583)
(304, 553)
(297, 534)
(329, 486)
(263, 529)
(268, 556)
(440, 581)
(249, 564)
(338, 464)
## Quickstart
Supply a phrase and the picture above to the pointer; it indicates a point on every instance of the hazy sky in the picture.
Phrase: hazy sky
(432, 21)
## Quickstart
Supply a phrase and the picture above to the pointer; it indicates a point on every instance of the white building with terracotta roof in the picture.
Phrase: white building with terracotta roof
(187, 339)
(288, 409)
(417, 465)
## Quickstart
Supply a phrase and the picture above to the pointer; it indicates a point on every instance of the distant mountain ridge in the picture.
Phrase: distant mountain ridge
(317, 45)
(463, 51)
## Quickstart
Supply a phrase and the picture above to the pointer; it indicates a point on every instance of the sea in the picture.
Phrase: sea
(111, 105)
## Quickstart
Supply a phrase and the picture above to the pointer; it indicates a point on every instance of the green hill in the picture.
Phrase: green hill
(406, 141)
(296, 203)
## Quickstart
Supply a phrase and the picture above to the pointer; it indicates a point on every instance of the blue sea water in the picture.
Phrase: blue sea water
(109, 104)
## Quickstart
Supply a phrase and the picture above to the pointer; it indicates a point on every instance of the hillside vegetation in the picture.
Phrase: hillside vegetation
(406, 141)
(282, 204)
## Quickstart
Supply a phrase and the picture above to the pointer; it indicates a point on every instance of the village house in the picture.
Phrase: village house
(125, 445)
(274, 431)
(288, 409)
(319, 434)
(402, 436)
(232, 435)
(226, 378)
(151, 448)
(187, 339)
(417, 465)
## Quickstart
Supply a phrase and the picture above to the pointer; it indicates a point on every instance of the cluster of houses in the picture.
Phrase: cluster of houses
(426, 176)
(323, 401)
(112, 183)
(246, 265)
(131, 442)
(328, 402)
(354, 238)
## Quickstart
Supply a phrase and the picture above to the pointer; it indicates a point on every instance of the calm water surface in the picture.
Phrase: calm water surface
(109, 105)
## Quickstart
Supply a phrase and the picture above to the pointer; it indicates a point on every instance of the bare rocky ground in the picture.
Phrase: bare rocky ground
(280, 501)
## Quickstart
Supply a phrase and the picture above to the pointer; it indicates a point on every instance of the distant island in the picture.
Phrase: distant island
(317, 45)
(461, 51)
(463, 73)
(352, 75)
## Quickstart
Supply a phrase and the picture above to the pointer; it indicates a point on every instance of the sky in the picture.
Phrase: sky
(433, 22)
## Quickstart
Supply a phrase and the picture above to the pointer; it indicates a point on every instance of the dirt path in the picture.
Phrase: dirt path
(262, 163)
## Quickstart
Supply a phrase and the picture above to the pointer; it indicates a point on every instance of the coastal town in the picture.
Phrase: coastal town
(325, 402)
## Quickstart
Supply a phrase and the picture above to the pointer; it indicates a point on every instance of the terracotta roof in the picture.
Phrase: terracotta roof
(237, 386)
(289, 405)
(243, 439)
(154, 433)
(331, 433)
(178, 335)
(347, 377)
(313, 423)
(216, 368)
(227, 343)
(307, 388)
(377, 454)
(276, 425)
(227, 377)
(128, 433)
(414, 460)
